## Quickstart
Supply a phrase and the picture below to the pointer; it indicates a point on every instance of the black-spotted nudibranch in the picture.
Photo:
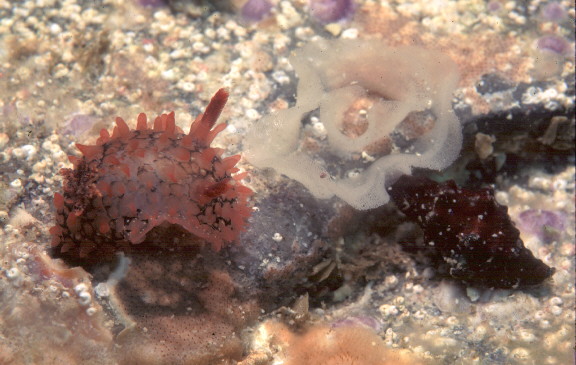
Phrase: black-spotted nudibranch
(135, 180)
(472, 232)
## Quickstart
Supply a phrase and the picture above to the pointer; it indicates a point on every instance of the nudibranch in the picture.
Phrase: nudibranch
(472, 231)
(134, 180)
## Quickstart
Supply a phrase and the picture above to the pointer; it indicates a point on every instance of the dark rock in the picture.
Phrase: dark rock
(491, 83)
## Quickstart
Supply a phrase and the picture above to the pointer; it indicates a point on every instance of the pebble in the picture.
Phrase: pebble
(544, 324)
(281, 77)
(40, 166)
(169, 75)
(102, 290)
(84, 298)
(80, 288)
(556, 301)
(4, 139)
(288, 16)
(473, 294)
(12, 273)
(539, 315)
(480, 332)
(5, 157)
(350, 33)
(186, 86)
(452, 321)
(526, 335)
(200, 47)
(3, 216)
(428, 273)
(419, 315)
(15, 276)
(418, 288)
(390, 336)
(388, 310)
(555, 310)
(55, 29)
(181, 53)
(538, 182)
(502, 198)
(390, 282)
(520, 353)
(18, 153)
(334, 28)
(253, 114)
(16, 184)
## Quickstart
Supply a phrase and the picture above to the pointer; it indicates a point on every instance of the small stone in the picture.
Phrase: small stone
(391, 281)
(350, 33)
(544, 324)
(80, 288)
(55, 29)
(18, 153)
(452, 321)
(526, 336)
(102, 290)
(473, 294)
(29, 151)
(388, 310)
(520, 353)
(84, 298)
(556, 301)
(3, 216)
(556, 310)
(16, 184)
(186, 86)
(334, 28)
(12, 273)
(4, 139)
(253, 114)
(483, 145)
(169, 75)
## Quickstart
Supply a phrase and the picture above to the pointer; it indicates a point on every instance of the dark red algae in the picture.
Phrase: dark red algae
(472, 232)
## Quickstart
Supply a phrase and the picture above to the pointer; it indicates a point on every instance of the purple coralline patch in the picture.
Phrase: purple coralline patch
(255, 10)
(151, 3)
(471, 231)
(543, 223)
(553, 43)
(494, 6)
(78, 124)
(554, 12)
(329, 11)
(366, 321)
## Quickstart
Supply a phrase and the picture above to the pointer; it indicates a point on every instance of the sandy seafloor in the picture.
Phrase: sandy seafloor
(68, 68)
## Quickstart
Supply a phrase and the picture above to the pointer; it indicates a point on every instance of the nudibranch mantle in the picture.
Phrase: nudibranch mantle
(134, 180)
